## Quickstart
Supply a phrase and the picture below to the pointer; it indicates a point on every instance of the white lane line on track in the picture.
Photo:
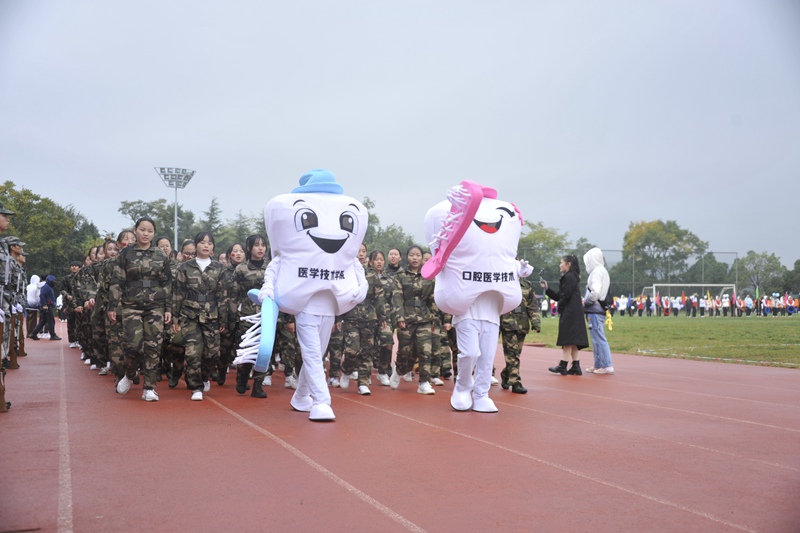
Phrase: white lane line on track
(561, 467)
(643, 435)
(64, 467)
(686, 411)
(409, 525)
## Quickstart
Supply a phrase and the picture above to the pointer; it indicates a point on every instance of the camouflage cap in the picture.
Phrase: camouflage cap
(14, 241)
(4, 211)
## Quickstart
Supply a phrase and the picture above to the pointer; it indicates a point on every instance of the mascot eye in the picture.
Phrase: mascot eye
(347, 221)
(305, 219)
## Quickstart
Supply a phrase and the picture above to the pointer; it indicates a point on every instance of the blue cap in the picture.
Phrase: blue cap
(319, 180)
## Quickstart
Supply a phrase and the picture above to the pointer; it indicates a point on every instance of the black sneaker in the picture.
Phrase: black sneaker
(518, 388)
(53, 338)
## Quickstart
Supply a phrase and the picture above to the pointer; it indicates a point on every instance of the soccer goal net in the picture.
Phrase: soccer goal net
(675, 289)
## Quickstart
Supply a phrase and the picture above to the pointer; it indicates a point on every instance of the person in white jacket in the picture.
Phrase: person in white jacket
(32, 307)
(597, 287)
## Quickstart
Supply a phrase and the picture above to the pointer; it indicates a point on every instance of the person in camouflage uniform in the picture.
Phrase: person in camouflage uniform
(384, 331)
(16, 287)
(288, 348)
(334, 353)
(197, 291)
(141, 289)
(69, 301)
(229, 328)
(5, 260)
(86, 283)
(358, 329)
(114, 328)
(514, 326)
(413, 303)
(250, 275)
(99, 307)
(173, 352)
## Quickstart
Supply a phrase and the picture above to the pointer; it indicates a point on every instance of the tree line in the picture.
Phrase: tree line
(651, 251)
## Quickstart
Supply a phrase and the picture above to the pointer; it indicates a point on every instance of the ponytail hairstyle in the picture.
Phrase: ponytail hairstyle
(574, 265)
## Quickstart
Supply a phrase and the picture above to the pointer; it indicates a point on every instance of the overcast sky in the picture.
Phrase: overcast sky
(587, 114)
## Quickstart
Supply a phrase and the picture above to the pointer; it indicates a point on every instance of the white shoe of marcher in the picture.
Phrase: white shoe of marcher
(291, 382)
(363, 390)
(344, 381)
(206, 386)
(354, 374)
(103, 371)
(93, 367)
(484, 405)
(321, 412)
(409, 376)
(383, 379)
(149, 395)
(124, 385)
(494, 381)
(197, 396)
(87, 361)
(394, 381)
(425, 388)
(333, 382)
(436, 381)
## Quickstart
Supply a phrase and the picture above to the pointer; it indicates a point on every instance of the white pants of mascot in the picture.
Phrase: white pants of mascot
(313, 334)
(477, 341)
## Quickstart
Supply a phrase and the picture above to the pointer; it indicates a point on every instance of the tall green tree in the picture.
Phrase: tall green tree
(764, 271)
(212, 219)
(543, 248)
(53, 235)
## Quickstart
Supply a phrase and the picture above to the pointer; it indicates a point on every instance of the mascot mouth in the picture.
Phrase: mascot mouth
(489, 227)
(330, 246)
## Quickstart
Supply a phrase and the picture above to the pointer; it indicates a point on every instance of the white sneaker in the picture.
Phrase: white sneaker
(494, 381)
(124, 385)
(425, 388)
(363, 390)
(291, 382)
(87, 361)
(408, 376)
(606, 370)
(394, 381)
(333, 382)
(383, 379)
(103, 371)
(197, 396)
(149, 395)
(267, 381)
(93, 367)
(83, 356)
(344, 381)
(206, 387)
(354, 374)
(436, 381)
(73, 345)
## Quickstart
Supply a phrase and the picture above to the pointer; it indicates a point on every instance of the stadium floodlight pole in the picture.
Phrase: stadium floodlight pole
(175, 178)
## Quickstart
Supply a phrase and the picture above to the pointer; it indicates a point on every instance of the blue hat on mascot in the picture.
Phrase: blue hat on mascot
(319, 180)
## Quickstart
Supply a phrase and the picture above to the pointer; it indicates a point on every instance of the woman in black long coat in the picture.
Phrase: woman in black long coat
(572, 335)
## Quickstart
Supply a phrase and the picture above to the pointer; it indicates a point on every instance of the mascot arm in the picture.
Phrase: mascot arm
(360, 292)
(525, 269)
(268, 289)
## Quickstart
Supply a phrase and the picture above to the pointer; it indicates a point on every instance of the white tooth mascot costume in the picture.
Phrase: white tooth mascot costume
(315, 233)
(474, 238)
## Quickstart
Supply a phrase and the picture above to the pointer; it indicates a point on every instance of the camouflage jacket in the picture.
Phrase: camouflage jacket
(5, 274)
(387, 282)
(69, 292)
(103, 282)
(248, 276)
(374, 306)
(15, 288)
(412, 298)
(526, 315)
(141, 279)
(87, 282)
(196, 293)
(229, 305)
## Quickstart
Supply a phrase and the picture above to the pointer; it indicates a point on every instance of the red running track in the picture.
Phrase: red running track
(663, 445)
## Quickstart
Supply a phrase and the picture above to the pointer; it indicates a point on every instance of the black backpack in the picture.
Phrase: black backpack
(607, 302)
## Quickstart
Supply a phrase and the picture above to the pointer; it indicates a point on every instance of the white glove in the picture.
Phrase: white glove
(266, 292)
(19, 308)
(2, 317)
(525, 269)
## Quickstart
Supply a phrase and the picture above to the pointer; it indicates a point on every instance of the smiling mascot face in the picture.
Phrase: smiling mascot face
(316, 235)
(484, 260)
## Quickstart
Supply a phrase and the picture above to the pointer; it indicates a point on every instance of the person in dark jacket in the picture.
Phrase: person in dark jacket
(572, 335)
(47, 304)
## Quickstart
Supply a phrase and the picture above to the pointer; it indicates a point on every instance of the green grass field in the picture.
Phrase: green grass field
(737, 340)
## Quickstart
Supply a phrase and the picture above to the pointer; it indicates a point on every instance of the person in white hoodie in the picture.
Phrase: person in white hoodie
(32, 307)
(597, 287)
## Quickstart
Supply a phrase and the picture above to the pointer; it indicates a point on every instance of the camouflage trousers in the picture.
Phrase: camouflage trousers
(227, 347)
(289, 349)
(415, 339)
(384, 338)
(142, 337)
(99, 353)
(334, 353)
(201, 342)
(83, 330)
(440, 358)
(452, 344)
(116, 352)
(512, 348)
(72, 318)
(359, 345)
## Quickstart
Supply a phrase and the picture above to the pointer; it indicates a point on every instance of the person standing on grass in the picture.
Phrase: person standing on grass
(597, 287)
